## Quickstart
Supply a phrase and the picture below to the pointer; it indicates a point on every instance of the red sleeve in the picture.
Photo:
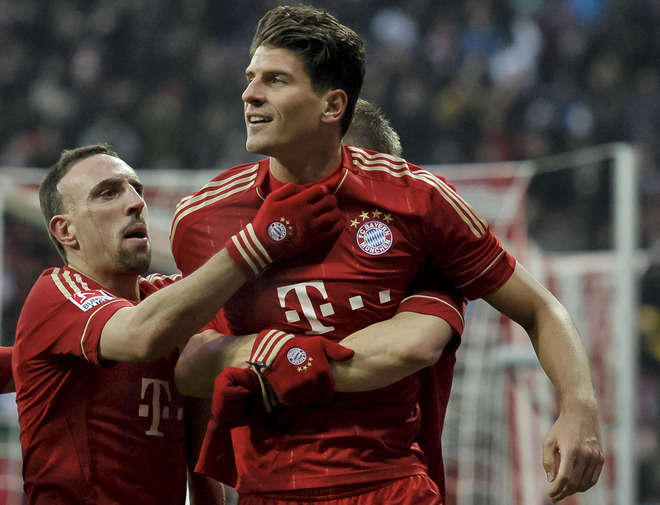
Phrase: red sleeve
(449, 307)
(94, 327)
(434, 295)
(462, 244)
(5, 367)
(64, 314)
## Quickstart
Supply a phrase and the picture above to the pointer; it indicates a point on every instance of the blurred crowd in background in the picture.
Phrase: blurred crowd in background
(461, 82)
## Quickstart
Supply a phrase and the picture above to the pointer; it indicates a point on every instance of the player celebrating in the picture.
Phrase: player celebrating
(437, 320)
(400, 223)
(101, 420)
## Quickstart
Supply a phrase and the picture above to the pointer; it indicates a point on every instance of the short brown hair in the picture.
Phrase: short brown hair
(372, 130)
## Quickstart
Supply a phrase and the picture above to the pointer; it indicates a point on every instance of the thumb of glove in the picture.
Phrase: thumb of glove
(337, 352)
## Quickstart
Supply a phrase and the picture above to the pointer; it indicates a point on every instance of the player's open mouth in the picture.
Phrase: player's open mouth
(255, 120)
(137, 232)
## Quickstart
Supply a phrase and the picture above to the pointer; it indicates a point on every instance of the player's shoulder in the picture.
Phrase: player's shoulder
(390, 168)
(226, 186)
(61, 280)
(57, 287)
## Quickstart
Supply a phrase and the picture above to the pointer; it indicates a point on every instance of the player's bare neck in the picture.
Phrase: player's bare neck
(302, 171)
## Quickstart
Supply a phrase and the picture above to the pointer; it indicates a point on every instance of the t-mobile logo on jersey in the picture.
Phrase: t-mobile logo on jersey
(306, 305)
(302, 292)
(157, 413)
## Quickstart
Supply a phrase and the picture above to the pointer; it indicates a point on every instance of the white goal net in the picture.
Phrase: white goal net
(502, 404)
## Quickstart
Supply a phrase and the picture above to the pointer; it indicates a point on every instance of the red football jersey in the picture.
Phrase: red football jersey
(91, 431)
(400, 222)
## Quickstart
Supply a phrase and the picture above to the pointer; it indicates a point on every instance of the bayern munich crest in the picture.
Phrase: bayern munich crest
(296, 356)
(277, 231)
(374, 237)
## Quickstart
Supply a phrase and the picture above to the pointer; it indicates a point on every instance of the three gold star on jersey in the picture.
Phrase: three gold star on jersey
(375, 214)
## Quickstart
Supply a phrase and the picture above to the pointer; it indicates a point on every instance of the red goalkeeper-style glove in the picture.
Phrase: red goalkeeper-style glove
(297, 367)
(292, 219)
(236, 397)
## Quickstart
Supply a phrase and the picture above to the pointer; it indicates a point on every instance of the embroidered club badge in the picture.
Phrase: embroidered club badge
(374, 237)
(277, 231)
(296, 356)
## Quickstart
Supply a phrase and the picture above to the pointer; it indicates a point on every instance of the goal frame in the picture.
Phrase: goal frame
(628, 262)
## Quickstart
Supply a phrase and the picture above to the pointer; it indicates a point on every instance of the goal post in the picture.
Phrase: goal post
(627, 266)
(626, 233)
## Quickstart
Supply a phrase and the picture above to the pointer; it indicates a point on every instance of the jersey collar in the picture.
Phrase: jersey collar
(266, 183)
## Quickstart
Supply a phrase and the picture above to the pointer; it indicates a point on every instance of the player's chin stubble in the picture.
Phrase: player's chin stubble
(131, 262)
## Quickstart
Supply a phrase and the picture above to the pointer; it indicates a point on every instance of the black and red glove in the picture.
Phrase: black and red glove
(291, 220)
(236, 397)
(297, 366)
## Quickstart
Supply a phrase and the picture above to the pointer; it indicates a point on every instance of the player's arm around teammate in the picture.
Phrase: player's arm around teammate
(382, 357)
(82, 322)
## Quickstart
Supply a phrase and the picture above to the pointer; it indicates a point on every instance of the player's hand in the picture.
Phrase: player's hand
(291, 220)
(572, 453)
(231, 390)
(296, 366)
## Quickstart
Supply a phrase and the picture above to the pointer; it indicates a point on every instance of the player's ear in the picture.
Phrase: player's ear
(63, 231)
(335, 105)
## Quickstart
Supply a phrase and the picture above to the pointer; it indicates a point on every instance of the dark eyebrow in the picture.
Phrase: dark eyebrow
(114, 182)
(268, 73)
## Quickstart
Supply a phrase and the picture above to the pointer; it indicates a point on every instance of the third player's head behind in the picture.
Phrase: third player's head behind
(372, 130)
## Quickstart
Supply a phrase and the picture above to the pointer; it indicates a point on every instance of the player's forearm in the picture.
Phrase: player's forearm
(551, 331)
(205, 356)
(574, 439)
(563, 357)
(391, 350)
(166, 319)
(572, 451)
(385, 353)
